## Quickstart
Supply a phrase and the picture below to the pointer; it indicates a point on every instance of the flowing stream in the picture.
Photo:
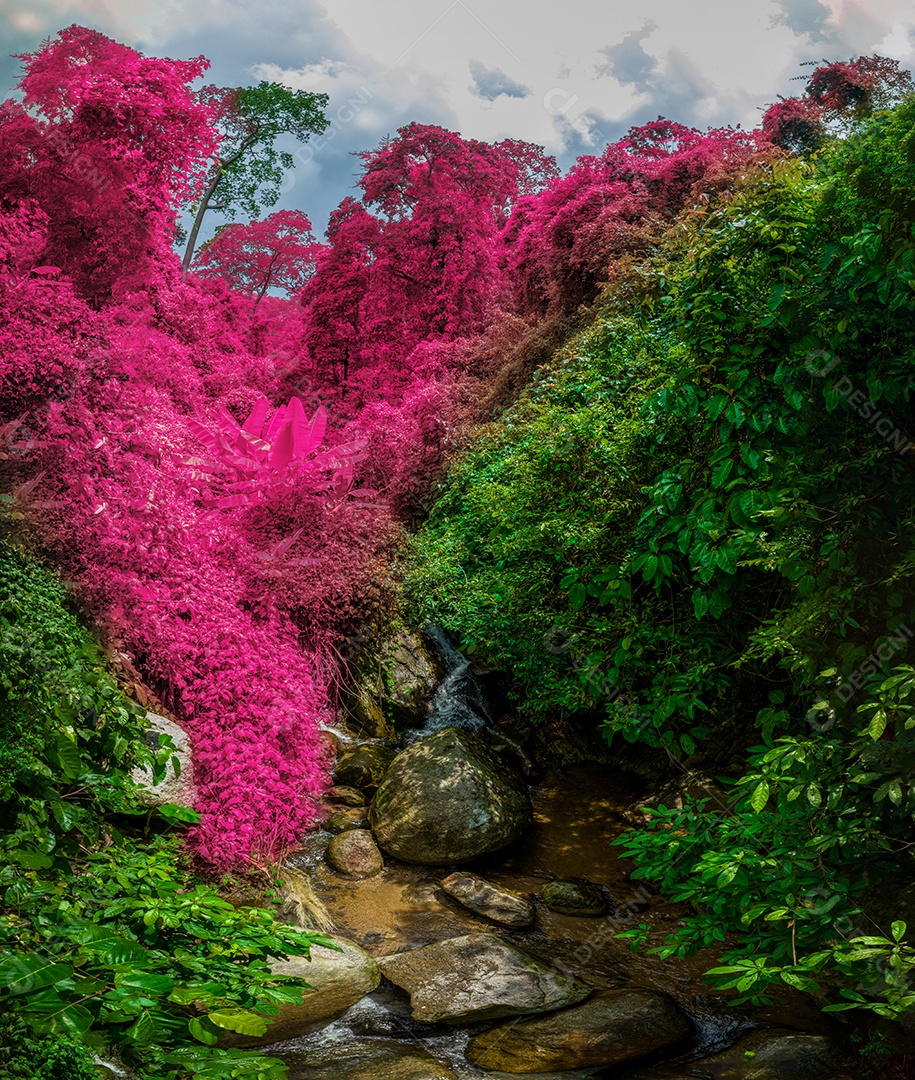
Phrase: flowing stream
(458, 700)
(578, 813)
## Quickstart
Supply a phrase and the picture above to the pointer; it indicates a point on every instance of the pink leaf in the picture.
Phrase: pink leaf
(254, 425)
(282, 448)
(276, 422)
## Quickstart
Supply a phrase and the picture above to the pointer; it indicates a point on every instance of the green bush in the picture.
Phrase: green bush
(23, 1056)
(107, 938)
(698, 522)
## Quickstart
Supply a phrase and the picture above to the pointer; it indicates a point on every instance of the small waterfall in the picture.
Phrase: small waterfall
(458, 700)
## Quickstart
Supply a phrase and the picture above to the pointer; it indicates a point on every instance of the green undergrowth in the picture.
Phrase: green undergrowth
(109, 942)
(699, 522)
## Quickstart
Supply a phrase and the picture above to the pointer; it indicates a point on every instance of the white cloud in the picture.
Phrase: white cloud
(591, 69)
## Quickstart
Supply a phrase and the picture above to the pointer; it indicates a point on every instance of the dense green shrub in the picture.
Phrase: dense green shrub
(106, 936)
(699, 521)
(24, 1056)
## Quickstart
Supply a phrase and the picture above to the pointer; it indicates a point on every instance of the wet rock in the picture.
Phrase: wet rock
(489, 900)
(346, 796)
(336, 980)
(763, 1055)
(355, 817)
(574, 898)
(331, 742)
(611, 1027)
(365, 714)
(177, 786)
(363, 766)
(422, 892)
(411, 676)
(370, 1060)
(448, 799)
(355, 853)
(478, 977)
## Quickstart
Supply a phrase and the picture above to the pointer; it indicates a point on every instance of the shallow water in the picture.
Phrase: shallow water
(577, 815)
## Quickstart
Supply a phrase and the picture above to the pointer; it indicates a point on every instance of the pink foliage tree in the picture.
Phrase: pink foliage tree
(836, 94)
(113, 144)
(561, 243)
(277, 253)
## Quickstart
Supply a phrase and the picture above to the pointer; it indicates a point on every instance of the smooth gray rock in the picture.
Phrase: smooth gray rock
(478, 977)
(355, 854)
(369, 1060)
(448, 799)
(611, 1027)
(336, 981)
(488, 899)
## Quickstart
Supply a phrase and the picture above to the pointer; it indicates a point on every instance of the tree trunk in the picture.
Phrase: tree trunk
(198, 220)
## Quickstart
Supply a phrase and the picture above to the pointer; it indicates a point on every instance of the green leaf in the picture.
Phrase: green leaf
(68, 756)
(760, 796)
(73, 1019)
(149, 983)
(577, 596)
(244, 1023)
(176, 814)
(27, 973)
(898, 930)
(32, 860)
(201, 1033)
(142, 1031)
(877, 726)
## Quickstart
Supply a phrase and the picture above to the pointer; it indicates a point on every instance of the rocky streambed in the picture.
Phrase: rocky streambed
(478, 916)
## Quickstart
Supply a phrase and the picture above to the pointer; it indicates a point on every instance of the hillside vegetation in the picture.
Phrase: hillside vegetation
(638, 436)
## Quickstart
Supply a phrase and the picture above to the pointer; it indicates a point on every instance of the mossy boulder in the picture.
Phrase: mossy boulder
(363, 767)
(574, 898)
(448, 799)
(355, 854)
(611, 1027)
(762, 1055)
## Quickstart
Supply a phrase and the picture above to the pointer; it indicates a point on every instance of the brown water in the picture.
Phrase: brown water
(578, 815)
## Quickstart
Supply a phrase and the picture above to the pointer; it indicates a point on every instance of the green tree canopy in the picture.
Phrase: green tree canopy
(247, 170)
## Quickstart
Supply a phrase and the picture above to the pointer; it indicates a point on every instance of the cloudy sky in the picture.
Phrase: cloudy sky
(571, 76)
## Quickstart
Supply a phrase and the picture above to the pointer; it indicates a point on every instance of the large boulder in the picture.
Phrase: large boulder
(363, 766)
(611, 1027)
(478, 977)
(177, 786)
(488, 899)
(448, 799)
(364, 713)
(355, 854)
(336, 981)
(373, 1059)
(574, 898)
(774, 1054)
